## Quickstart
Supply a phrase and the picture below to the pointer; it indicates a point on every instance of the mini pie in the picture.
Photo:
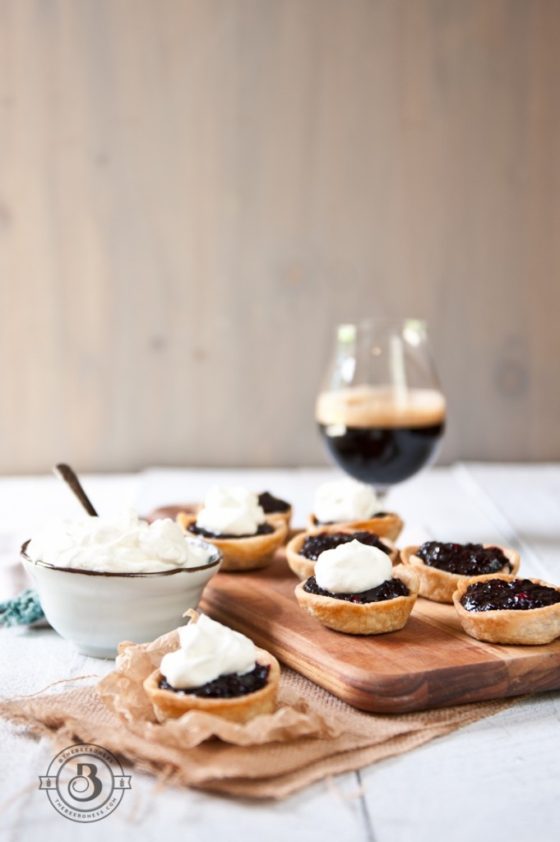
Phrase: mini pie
(246, 552)
(275, 507)
(440, 584)
(304, 567)
(488, 620)
(170, 704)
(342, 613)
(386, 525)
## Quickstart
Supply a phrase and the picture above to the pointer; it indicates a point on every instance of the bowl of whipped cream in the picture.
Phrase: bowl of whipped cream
(106, 580)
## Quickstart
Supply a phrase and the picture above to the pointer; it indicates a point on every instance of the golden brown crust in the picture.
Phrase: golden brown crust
(389, 526)
(535, 626)
(304, 567)
(355, 618)
(284, 517)
(170, 705)
(244, 553)
(440, 585)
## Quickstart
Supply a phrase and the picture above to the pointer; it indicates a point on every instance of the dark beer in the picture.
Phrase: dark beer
(377, 439)
(383, 455)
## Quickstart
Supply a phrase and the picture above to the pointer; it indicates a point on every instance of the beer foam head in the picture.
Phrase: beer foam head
(370, 406)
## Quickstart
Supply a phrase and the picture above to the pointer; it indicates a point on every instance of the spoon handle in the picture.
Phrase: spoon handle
(65, 473)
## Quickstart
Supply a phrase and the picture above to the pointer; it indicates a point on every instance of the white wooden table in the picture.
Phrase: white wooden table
(496, 780)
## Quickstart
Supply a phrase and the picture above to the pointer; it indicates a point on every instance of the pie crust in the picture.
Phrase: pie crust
(282, 517)
(304, 567)
(368, 618)
(247, 553)
(532, 627)
(440, 585)
(170, 705)
(389, 526)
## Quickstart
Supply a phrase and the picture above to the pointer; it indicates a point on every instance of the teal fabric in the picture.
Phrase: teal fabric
(22, 610)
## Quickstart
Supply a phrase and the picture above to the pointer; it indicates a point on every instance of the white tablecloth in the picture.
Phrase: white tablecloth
(497, 780)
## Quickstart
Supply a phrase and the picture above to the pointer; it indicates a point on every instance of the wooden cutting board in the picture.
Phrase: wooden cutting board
(430, 663)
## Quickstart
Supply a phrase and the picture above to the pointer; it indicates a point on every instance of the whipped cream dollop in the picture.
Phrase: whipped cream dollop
(231, 510)
(352, 568)
(344, 500)
(123, 544)
(207, 650)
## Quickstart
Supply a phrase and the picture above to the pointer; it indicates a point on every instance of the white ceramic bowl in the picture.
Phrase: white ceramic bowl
(96, 611)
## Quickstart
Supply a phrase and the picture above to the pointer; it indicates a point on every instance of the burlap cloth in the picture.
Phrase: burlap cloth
(311, 736)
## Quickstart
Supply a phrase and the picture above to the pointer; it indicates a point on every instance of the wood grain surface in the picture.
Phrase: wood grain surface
(192, 193)
(430, 663)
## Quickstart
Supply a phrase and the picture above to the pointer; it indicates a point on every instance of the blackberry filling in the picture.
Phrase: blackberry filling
(225, 686)
(264, 529)
(464, 559)
(499, 594)
(314, 545)
(386, 590)
(272, 505)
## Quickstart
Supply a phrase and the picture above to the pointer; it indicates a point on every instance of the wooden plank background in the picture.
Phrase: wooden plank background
(193, 192)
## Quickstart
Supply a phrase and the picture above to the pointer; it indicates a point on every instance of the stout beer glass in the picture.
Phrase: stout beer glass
(381, 412)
